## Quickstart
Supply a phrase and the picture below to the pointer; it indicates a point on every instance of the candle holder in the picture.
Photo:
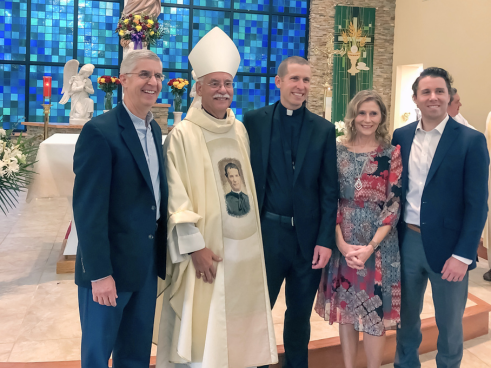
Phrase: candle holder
(46, 108)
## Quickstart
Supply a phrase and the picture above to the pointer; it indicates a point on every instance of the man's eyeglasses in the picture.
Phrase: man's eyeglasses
(146, 75)
(216, 85)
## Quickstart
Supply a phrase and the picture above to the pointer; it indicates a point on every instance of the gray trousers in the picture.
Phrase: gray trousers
(449, 299)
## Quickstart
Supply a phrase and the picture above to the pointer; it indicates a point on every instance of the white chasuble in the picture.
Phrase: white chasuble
(226, 324)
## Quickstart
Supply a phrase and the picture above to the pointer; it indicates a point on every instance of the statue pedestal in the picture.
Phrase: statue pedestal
(161, 114)
(78, 122)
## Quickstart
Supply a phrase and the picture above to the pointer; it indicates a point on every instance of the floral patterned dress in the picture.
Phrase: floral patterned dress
(370, 298)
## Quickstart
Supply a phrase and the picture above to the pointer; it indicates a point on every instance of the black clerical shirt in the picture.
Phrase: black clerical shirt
(282, 156)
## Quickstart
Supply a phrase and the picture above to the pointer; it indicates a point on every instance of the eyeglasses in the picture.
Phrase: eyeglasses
(216, 85)
(146, 75)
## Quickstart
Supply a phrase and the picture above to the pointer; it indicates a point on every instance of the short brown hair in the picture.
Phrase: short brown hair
(382, 133)
(434, 72)
(283, 68)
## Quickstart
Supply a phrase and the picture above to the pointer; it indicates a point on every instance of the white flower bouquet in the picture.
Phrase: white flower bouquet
(17, 156)
(340, 127)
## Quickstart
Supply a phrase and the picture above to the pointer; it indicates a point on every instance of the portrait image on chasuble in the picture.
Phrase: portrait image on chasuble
(233, 183)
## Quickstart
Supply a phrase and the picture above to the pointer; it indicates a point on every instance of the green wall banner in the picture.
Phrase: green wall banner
(354, 29)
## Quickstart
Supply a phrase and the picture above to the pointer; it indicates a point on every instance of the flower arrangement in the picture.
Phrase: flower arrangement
(340, 127)
(108, 84)
(139, 28)
(16, 158)
(178, 86)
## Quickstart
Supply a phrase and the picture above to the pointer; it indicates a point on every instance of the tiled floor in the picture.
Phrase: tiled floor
(39, 311)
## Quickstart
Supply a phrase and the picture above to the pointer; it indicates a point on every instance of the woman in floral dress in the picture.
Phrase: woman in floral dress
(361, 286)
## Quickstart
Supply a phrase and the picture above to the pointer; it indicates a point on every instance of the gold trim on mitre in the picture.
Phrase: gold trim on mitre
(215, 52)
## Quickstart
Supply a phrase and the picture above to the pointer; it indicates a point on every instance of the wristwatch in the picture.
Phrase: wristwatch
(374, 245)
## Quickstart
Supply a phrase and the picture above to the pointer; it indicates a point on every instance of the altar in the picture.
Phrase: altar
(55, 178)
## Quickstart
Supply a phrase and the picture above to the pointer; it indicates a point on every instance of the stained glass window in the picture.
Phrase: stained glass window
(97, 41)
(173, 48)
(222, 4)
(290, 6)
(251, 37)
(205, 20)
(12, 93)
(13, 32)
(250, 94)
(59, 113)
(265, 32)
(288, 38)
(52, 30)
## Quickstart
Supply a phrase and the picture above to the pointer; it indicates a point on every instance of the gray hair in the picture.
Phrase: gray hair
(132, 58)
(283, 68)
(453, 92)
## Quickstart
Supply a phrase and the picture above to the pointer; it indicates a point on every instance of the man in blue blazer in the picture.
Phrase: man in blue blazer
(120, 207)
(293, 157)
(444, 193)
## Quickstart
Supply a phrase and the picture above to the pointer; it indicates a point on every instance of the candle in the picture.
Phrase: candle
(47, 87)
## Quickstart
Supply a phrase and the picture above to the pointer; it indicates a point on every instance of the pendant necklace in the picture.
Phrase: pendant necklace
(358, 183)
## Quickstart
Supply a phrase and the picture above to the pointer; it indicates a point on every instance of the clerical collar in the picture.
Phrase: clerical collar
(295, 113)
(225, 116)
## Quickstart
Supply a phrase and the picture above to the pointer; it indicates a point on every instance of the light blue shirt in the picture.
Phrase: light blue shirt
(144, 130)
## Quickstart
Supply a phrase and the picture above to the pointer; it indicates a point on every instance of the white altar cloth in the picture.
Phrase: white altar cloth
(55, 177)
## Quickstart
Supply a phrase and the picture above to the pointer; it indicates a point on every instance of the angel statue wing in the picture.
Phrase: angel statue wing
(70, 70)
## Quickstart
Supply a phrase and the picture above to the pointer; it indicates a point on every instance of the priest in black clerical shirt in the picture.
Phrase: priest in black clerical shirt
(293, 157)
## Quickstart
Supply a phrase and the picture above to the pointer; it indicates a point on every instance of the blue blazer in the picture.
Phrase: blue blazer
(114, 205)
(315, 182)
(454, 201)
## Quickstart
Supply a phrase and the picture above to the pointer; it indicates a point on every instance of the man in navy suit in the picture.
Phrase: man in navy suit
(120, 207)
(293, 157)
(444, 192)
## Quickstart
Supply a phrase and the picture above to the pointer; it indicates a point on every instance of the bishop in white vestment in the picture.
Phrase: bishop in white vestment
(216, 311)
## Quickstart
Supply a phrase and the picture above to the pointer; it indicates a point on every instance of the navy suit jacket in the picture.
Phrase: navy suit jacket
(315, 182)
(454, 200)
(114, 205)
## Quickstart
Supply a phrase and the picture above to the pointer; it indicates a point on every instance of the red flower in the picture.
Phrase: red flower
(144, 27)
(130, 16)
(118, 82)
(108, 79)
(145, 17)
(143, 36)
(156, 26)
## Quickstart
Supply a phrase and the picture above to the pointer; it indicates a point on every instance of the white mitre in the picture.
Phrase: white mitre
(215, 52)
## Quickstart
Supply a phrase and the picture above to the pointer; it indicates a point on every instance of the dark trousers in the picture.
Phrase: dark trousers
(125, 330)
(284, 261)
(449, 299)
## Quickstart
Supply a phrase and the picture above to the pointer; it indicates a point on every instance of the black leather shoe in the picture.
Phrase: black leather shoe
(487, 276)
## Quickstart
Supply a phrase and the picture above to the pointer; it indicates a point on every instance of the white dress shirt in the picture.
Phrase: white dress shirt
(422, 152)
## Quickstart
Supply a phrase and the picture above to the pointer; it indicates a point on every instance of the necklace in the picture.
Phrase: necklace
(358, 183)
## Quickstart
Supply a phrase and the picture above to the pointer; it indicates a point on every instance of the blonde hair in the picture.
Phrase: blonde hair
(382, 133)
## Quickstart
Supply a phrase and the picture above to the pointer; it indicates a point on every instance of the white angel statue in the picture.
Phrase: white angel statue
(78, 87)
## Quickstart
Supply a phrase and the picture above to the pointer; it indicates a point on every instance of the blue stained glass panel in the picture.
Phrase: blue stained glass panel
(12, 94)
(290, 6)
(173, 47)
(274, 93)
(222, 4)
(205, 20)
(176, 2)
(59, 113)
(13, 31)
(52, 30)
(99, 94)
(97, 41)
(251, 38)
(249, 94)
(287, 39)
(166, 96)
(252, 5)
